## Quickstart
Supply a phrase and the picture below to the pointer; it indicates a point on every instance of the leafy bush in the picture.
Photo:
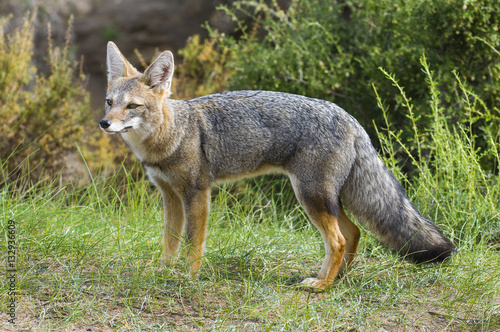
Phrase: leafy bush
(450, 185)
(201, 69)
(333, 50)
(42, 116)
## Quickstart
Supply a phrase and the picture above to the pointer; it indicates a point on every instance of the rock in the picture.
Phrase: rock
(149, 25)
(145, 25)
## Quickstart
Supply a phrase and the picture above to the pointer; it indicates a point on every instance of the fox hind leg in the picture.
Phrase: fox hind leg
(352, 234)
(323, 211)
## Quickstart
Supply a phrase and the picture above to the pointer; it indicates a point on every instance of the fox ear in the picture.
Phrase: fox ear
(118, 66)
(159, 74)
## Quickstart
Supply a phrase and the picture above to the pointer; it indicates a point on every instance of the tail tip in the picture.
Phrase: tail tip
(438, 254)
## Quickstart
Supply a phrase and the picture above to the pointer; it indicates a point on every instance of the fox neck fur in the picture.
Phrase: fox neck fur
(161, 137)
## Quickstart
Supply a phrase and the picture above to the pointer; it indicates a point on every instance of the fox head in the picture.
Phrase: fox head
(133, 99)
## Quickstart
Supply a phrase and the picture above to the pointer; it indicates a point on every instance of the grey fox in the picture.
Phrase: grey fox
(187, 146)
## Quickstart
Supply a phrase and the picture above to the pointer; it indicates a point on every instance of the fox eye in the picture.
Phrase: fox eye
(109, 102)
(132, 106)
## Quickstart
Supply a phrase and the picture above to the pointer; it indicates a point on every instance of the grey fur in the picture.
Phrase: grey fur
(249, 132)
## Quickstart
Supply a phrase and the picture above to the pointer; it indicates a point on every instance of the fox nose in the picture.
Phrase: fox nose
(105, 124)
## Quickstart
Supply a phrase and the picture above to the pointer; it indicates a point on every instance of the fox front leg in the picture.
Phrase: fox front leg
(173, 224)
(196, 210)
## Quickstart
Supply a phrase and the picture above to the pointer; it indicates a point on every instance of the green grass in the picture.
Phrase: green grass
(88, 258)
(92, 263)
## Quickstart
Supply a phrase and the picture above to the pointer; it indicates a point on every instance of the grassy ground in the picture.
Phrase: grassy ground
(89, 262)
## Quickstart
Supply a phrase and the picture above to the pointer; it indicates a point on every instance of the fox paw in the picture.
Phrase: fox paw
(167, 262)
(314, 284)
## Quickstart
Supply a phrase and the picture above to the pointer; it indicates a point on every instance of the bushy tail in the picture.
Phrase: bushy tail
(373, 195)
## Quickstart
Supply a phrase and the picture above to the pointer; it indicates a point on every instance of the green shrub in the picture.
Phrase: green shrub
(42, 116)
(333, 51)
(200, 70)
(450, 186)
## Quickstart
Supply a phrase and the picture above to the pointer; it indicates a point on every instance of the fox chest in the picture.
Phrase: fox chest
(178, 178)
(157, 176)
